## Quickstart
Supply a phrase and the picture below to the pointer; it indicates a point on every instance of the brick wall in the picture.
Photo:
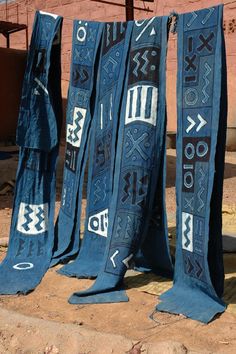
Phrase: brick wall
(86, 9)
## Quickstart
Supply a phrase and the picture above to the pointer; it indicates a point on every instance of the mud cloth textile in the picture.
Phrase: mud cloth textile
(202, 105)
(32, 225)
(81, 93)
(139, 149)
(110, 84)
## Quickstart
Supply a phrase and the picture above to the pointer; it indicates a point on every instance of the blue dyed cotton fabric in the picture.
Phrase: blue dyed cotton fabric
(111, 74)
(32, 227)
(138, 159)
(86, 41)
(202, 103)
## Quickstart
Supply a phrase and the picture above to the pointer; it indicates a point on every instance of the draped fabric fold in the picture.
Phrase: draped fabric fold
(32, 227)
(139, 155)
(202, 111)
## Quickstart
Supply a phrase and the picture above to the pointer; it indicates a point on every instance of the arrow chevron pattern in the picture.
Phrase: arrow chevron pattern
(202, 123)
(113, 257)
(100, 190)
(127, 259)
(192, 19)
(193, 267)
(208, 15)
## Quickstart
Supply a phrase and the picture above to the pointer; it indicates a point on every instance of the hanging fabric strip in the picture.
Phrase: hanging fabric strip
(86, 41)
(115, 44)
(202, 109)
(32, 227)
(140, 144)
(154, 254)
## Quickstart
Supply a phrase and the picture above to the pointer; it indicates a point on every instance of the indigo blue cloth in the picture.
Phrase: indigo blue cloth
(86, 42)
(111, 75)
(139, 156)
(32, 225)
(202, 108)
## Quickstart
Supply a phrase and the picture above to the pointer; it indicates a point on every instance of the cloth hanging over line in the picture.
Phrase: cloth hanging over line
(138, 159)
(32, 227)
(202, 111)
(111, 74)
(86, 41)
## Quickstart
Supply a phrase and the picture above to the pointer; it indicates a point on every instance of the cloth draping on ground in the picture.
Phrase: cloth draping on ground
(32, 227)
(137, 206)
(202, 109)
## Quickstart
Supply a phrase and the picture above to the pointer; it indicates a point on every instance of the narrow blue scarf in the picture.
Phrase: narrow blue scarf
(139, 156)
(32, 227)
(111, 74)
(202, 109)
(86, 42)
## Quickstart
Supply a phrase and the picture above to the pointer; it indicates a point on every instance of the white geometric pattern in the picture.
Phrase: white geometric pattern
(32, 218)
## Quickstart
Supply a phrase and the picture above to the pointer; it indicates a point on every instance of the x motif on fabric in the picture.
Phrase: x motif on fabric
(190, 62)
(205, 42)
(136, 145)
(81, 55)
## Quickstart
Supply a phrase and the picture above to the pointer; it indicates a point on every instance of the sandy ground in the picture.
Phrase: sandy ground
(43, 321)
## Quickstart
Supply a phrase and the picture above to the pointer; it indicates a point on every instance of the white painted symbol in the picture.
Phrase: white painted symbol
(144, 28)
(139, 23)
(36, 92)
(191, 96)
(74, 131)
(189, 151)
(187, 231)
(153, 32)
(23, 266)
(48, 14)
(188, 179)
(112, 258)
(101, 116)
(192, 19)
(32, 219)
(202, 148)
(111, 106)
(207, 83)
(142, 104)
(126, 260)
(202, 123)
(208, 15)
(98, 223)
(82, 33)
(41, 85)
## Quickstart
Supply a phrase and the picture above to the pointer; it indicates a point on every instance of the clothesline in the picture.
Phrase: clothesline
(72, 19)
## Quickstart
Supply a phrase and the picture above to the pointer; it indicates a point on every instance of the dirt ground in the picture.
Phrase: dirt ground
(44, 322)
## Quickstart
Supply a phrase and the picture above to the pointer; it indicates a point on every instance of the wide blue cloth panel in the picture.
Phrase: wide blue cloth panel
(138, 159)
(32, 226)
(86, 41)
(111, 75)
(202, 108)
